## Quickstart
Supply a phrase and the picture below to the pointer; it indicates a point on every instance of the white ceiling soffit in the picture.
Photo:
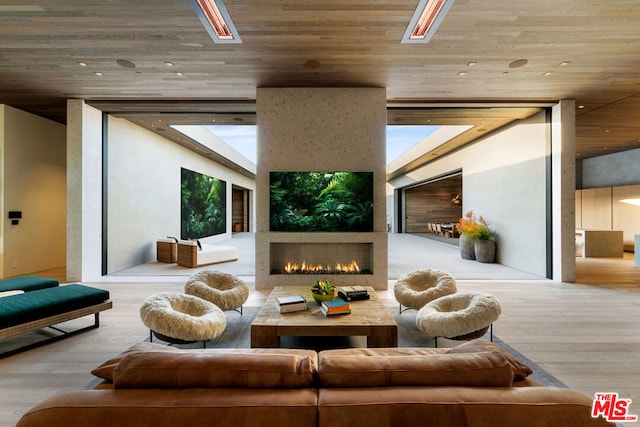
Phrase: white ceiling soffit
(215, 144)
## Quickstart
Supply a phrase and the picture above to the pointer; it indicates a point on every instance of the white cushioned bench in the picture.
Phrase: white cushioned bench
(189, 255)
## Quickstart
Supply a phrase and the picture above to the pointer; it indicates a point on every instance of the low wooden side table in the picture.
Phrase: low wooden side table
(368, 318)
(166, 250)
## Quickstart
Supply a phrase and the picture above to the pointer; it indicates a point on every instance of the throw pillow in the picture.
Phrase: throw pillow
(105, 370)
(476, 369)
(520, 370)
(210, 368)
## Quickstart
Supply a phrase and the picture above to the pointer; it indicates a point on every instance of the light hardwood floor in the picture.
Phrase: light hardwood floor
(587, 335)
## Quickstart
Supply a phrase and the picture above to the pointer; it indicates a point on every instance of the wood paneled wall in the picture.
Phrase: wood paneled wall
(239, 211)
(431, 203)
(602, 209)
(597, 209)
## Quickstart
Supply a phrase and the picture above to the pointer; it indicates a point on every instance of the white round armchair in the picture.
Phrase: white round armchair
(179, 318)
(415, 289)
(224, 290)
(462, 316)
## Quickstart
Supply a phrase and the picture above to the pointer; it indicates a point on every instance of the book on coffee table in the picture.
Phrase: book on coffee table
(335, 306)
(353, 293)
(291, 303)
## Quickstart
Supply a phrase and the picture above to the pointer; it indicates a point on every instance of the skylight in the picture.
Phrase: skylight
(401, 138)
(241, 138)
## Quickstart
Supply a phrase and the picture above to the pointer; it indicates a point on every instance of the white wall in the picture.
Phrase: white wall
(33, 181)
(144, 191)
(504, 181)
(611, 170)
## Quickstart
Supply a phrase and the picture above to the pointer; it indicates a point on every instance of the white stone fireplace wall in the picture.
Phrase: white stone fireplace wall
(321, 129)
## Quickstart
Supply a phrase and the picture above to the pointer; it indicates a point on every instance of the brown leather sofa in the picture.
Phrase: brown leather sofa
(475, 384)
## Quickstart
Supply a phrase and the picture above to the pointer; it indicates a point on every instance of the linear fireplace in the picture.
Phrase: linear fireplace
(321, 258)
(298, 259)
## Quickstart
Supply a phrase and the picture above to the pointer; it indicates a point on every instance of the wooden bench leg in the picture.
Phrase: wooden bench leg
(63, 334)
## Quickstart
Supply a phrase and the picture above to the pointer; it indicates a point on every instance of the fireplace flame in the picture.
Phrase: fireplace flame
(304, 268)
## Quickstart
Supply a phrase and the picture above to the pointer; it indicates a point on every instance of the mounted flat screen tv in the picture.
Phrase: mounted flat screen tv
(321, 201)
(203, 205)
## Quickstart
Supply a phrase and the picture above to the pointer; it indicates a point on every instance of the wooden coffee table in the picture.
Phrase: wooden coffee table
(368, 318)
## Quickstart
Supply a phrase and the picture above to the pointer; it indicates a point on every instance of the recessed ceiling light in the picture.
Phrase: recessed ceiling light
(216, 20)
(179, 74)
(565, 63)
(519, 63)
(168, 64)
(580, 106)
(82, 64)
(548, 73)
(98, 73)
(425, 20)
(471, 63)
(125, 63)
(462, 73)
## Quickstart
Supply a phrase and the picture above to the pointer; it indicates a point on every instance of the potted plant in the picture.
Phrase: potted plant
(467, 226)
(323, 290)
(477, 239)
(484, 244)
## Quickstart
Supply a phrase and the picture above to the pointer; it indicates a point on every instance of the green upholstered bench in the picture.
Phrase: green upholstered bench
(43, 308)
(27, 283)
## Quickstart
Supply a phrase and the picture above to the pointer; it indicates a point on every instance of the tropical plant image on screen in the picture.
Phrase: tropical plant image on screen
(321, 201)
(203, 205)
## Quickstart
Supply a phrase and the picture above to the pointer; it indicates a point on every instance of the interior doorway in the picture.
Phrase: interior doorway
(434, 202)
(240, 209)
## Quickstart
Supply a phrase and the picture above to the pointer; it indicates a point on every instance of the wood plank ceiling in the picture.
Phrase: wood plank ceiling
(588, 51)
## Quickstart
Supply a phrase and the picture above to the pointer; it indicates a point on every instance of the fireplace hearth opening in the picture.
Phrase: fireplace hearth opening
(321, 258)
(307, 268)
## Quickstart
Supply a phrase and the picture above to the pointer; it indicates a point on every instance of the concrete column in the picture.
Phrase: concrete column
(84, 191)
(563, 172)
